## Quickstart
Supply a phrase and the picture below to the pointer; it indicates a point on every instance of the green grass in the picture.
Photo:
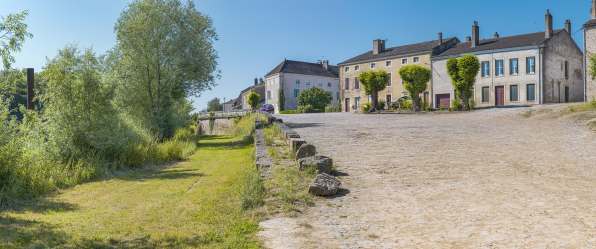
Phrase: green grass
(288, 112)
(200, 203)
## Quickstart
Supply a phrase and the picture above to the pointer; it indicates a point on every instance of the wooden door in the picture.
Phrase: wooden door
(500, 96)
(443, 99)
(347, 105)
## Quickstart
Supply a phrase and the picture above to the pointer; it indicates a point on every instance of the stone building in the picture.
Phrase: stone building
(389, 60)
(536, 68)
(242, 100)
(589, 49)
(295, 76)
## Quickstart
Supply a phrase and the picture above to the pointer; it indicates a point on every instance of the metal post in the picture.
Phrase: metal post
(30, 88)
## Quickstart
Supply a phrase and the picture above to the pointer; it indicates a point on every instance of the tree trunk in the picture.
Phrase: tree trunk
(374, 102)
(464, 98)
(416, 103)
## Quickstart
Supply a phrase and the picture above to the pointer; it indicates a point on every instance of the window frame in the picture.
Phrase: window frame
(328, 84)
(388, 63)
(404, 59)
(534, 72)
(347, 83)
(373, 65)
(357, 68)
(497, 68)
(320, 83)
(517, 67)
(346, 69)
(528, 95)
(296, 93)
(416, 59)
(307, 82)
(297, 81)
(566, 70)
(488, 97)
(510, 95)
(482, 69)
(473, 93)
(389, 82)
(356, 83)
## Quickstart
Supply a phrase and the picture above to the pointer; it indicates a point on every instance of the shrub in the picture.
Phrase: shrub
(305, 109)
(382, 103)
(332, 109)
(288, 112)
(406, 105)
(456, 104)
(593, 102)
(424, 106)
(365, 107)
(442, 107)
(471, 104)
(253, 190)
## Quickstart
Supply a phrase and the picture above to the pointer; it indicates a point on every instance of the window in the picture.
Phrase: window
(566, 70)
(531, 92)
(388, 63)
(357, 68)
(356, 83)
(530, 65)
(485, 69)
(472, 90)
(331, 94)
(328, 84)
(373, 65)
(513, 67)
(308, 82)
(357, 101)
(416, 59)
(404, 61)
(296, 93)
(268, 94)
(347, 83)
(297, 82)
(485, 96)
(347, 69)
(499, 68)
(320, 83)
(389, 81)
(388, 98)
(513, 94)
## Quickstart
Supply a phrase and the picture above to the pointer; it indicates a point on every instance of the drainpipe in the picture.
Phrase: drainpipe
(431, 104)
(540, 51)
(585, 71)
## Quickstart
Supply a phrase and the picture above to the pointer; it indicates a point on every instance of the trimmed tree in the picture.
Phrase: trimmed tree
(281, 100)
(463, 73)
(415, 79)
(253, 100)
(316, 97)
(373, 82)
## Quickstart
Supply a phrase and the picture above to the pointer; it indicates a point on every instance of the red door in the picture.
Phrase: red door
(500, 96)
(347, 105)
(443, 99)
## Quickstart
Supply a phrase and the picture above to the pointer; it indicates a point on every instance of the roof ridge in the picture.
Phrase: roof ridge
(520, 35)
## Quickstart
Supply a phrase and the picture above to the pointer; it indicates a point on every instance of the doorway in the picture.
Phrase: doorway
(347, 104)
(499, 96)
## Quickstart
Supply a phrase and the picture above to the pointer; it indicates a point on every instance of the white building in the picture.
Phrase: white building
(295, 76)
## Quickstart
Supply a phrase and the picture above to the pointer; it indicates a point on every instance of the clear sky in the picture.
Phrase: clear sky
(256, 35)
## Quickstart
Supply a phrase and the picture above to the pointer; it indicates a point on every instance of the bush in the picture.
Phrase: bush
(442, 107)
(365, 107)
(456, 104)
(382, 104)
(332, 109)
(593, 102)
(305, 109)
(288, 112)
(424, 106)
(406, 105)
(471, 104)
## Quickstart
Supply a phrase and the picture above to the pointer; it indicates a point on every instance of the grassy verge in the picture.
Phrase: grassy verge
(205, 202)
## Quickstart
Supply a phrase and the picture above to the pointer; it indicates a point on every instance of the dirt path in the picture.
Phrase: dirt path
(487, 179)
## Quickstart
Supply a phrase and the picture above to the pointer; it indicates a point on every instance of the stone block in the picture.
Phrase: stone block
(322, 163)
(305, 150)
(324, 184)
(295, 143)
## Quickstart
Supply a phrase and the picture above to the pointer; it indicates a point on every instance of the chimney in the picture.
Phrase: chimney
(256, 81)
(440, 38)
(262, 81)
(548, 32)
(593, 9)
(468, 39)
(319, 62)
(326, 64)
(475, 33)
(496, 35)
(568, 26)
(378, 46)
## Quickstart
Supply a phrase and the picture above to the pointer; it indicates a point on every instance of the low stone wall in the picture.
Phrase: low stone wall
(220, 126)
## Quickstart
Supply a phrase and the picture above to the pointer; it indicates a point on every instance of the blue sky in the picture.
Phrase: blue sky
(256, 35)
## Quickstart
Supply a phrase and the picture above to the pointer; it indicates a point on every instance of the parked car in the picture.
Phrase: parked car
(267, 108)
(399, 102)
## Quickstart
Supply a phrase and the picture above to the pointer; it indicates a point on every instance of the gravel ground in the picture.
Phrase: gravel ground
(490, 178)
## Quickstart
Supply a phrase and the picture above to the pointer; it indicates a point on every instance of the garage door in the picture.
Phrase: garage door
(443, 99)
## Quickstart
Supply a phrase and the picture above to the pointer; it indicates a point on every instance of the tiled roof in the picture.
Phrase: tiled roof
(396, 51)
(230, 102)
(498, 43)
(306, 68)
(590, 23)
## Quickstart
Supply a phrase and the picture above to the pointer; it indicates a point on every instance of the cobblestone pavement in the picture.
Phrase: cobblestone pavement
(487, 179)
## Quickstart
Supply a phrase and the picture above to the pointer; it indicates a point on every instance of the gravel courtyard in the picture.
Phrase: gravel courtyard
(486, 179)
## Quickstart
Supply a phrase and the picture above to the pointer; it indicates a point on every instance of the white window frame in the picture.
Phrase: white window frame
(416, 59)
(320, 83)
(297, 81)
(308, 82)
(404, 59)
(346, 69)
(388, 62)
(357, 68)
(373, 65)
(497, 68)
(328, 84)
(516, 66)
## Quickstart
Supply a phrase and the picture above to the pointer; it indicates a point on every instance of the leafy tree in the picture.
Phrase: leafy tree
(463, 73)
(214, 105)
(592, 65)
(12, 36)
(164, 54)
(281, 100)
(316, 97)
(253, 100)
(415, 79)
(373, 82)
(13, 88)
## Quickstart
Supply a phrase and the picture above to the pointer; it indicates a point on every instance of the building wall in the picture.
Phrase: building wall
(288, 81)
(396, 90)
(589, 48)
(558, 50)
(441, 82)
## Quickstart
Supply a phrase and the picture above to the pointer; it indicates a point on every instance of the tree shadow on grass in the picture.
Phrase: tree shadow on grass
(43, 205)
(172, 174)
(22, 233)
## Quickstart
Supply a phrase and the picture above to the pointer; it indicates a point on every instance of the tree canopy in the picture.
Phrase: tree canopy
(316, 97)
(253, 100)
(13, 33)
(214, 105)
(415, 79)
(373, 82)
(463, 73)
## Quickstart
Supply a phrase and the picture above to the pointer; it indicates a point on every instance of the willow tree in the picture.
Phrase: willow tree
(373, 82)
(164, 54)
(415, 79)
(463, 73)
(13, 33)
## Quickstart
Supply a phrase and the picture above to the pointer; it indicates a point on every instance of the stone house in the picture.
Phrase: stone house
(389, 60)
(528, 69)
(227, 106)
(589, 49)
(242, 100)
(295, 76)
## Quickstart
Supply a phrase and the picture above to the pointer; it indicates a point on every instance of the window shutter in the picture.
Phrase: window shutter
(389, 82)
(356, 83)
(347, 83)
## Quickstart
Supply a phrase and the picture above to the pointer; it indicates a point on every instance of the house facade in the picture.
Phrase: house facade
(296, 76)
(241, 102)
(528, 69)
(390, 60)
(227, 106)
(589, 49)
